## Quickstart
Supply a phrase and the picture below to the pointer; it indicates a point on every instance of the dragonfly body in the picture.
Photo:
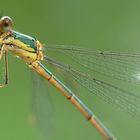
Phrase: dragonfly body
(30, 51)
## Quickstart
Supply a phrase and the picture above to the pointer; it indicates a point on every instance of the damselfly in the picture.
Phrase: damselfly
(111, 65)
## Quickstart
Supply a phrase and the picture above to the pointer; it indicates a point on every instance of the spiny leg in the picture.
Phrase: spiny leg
(5, 70)
(6, 67)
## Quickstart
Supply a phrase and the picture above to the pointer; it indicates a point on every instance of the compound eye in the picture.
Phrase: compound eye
(6, 23)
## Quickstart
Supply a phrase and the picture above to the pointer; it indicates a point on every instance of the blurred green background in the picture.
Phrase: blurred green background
(104, 25)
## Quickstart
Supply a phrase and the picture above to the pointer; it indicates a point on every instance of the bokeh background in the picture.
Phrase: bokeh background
(99, 24)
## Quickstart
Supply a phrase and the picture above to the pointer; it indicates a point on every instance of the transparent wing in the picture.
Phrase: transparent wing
(64, 76)
(42, 107)
(121, 66)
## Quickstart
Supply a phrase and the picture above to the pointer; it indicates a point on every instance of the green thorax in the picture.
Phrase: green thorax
(25, 39)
